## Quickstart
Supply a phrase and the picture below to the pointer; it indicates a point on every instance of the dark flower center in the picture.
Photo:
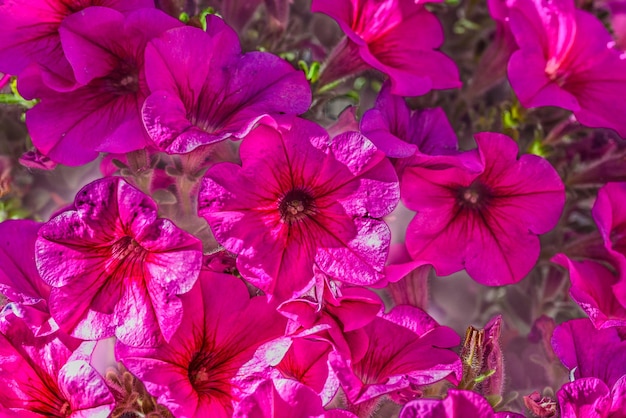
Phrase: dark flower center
(208, 373)
(296, 205)
(475, 197)
(125, 247)
(124, 80)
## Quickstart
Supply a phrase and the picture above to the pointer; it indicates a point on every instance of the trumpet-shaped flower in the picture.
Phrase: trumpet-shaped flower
(566, 58)
(116, 268)
(40, 377)
(104, 113)
(396, 37)
(205, 90)
(29, 35)
(484, 220)
(300, 200)
(220, 332)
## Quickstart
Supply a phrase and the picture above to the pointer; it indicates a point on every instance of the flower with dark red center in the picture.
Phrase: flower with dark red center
(113, 264)
(483, 213)
(201, 372)
(301, 200)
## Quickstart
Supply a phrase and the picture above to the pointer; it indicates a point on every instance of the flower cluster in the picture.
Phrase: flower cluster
(242, 253)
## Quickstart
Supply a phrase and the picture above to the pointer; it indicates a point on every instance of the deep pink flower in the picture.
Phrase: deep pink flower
(396, 37)
(115, 267)
(104, 114)
(592, 398)
(401, 132)
(200, 372)
(301, 200)
(458, 403)
(591, 352)
(403, 349)
(40, 377)
(610, 216)
(30, 35)
(485, 221)
(566, 58)
(205, 90)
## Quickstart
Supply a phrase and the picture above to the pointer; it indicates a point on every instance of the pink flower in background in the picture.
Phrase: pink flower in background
(484, 221)
(566, 59)
(396, 37)
(42, 378)
(205, 90)
(597, 360)
(401, 132)
(458, 403)
(300, 200)
(200, 372)
(400, 350)
(29, 35)
(116, 268)
(610, 216)
(104, 114)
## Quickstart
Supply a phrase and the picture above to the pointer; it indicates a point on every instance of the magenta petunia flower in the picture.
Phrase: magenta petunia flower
(301, 200)
(566, 58)
(30, 35)
(458, 403)
(104, 114)
(401, 132)
(592, 398)
(403, 349)
(20, 282)
(116, 268)
(485, 221)
(201, 371)
(205, 90)
(396, 37)
(40, 377)
(610, 216)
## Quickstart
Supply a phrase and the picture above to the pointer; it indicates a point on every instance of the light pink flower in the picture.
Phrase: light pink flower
(116, 268)
(40, 377)
(300, 200)
(201, 371)
(396, 37)
(484, 220)
(566, 58)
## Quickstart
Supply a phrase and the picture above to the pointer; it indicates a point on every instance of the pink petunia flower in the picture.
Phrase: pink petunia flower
(458, 403)
(205, 90)
(301, 200)
(485, 221)
(396, 37)
(201, 371)
(104, 114)
(401, 350)
(116, 268)
(566, 58)
(29, 35)
(592, 398)
(401, 132)
(20, 282)
(41, 377)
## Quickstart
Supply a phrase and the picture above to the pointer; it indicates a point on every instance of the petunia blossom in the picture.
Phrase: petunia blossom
(104, 113)
(400, 350)
(205, 90)
(401, 132)
(485, 221)
(41, 377)
(300, 200)
(396, 37)
(592, 398)
(29, 35)
(458, 403)
(566, 58)
(116, 268)
(200, 372)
